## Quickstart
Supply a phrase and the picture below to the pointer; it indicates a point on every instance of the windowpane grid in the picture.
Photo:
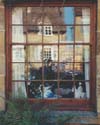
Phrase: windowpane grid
(59, 47)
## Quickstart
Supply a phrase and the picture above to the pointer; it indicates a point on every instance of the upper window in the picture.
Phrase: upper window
(51, 52)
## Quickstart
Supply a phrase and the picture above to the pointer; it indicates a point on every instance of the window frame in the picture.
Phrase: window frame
(65, 104)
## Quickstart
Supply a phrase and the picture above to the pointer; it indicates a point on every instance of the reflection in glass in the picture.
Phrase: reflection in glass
(18, 34)
(86, 15)
(82, 53)
(34, 15)
(50, 70)
(66, 34)
(87, 71)
(18, 71)
(53, 15)
(86, 34)
(34, 34)
(81, 90)
(19, 90)
(34, 53)
(79, 53)
(19, 15)
(78, 71)
(81, 71)
(82, 34)
(82, 15)
(50, 34)
(68, 13)
(18, 53)
(35, 90)
(50, 90)
(66, 53)
(34, 71)
(50, 52)
(66, 71)
(66, 89)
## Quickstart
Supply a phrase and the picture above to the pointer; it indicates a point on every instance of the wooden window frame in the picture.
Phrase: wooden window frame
(65, 104)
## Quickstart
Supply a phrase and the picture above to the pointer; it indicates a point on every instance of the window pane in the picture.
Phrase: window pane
(66, 34)
(18, 34)
(82, 34)
(50, 34)
(35, 15)
(82, 90)
(34, 71)
(81, 71)
(19, 90)
(82, 15)
(66, 53)
(34, 34)
(53, 15)
(50, 52)
(50, 90)
(34, 53)
(18, 53)
(50, 70)
(35, 90)
(18, 71)
(82, 53)
(19, 15)
(66, 71)
(66, 90)
(68, 15)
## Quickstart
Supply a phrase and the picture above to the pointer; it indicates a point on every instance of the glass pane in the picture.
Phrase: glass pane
(86, 15)
(82, 34)
(19, 15)
(78, 71)
(18, 34)
(19, 90)
(50, 90)
(50, 52)
(53, 15)
(82, 15)
(81, 71)
(34, 34)
(66, 34)
(50, 70)
(66, 71)
(66, 90)
(35, 90)
(34, 71)
(82, 53)
(18, 71)
(68, 15)
(34, 53)
(50, 34)
(18, 53)
(86, 69)
(82, 90)
(34, 15)
(66, 53)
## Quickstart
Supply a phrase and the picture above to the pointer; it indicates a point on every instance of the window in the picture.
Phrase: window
(54, 68)
(47, 30)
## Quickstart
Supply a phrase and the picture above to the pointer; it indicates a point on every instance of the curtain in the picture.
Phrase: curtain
(86, 35)
(18, 88)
